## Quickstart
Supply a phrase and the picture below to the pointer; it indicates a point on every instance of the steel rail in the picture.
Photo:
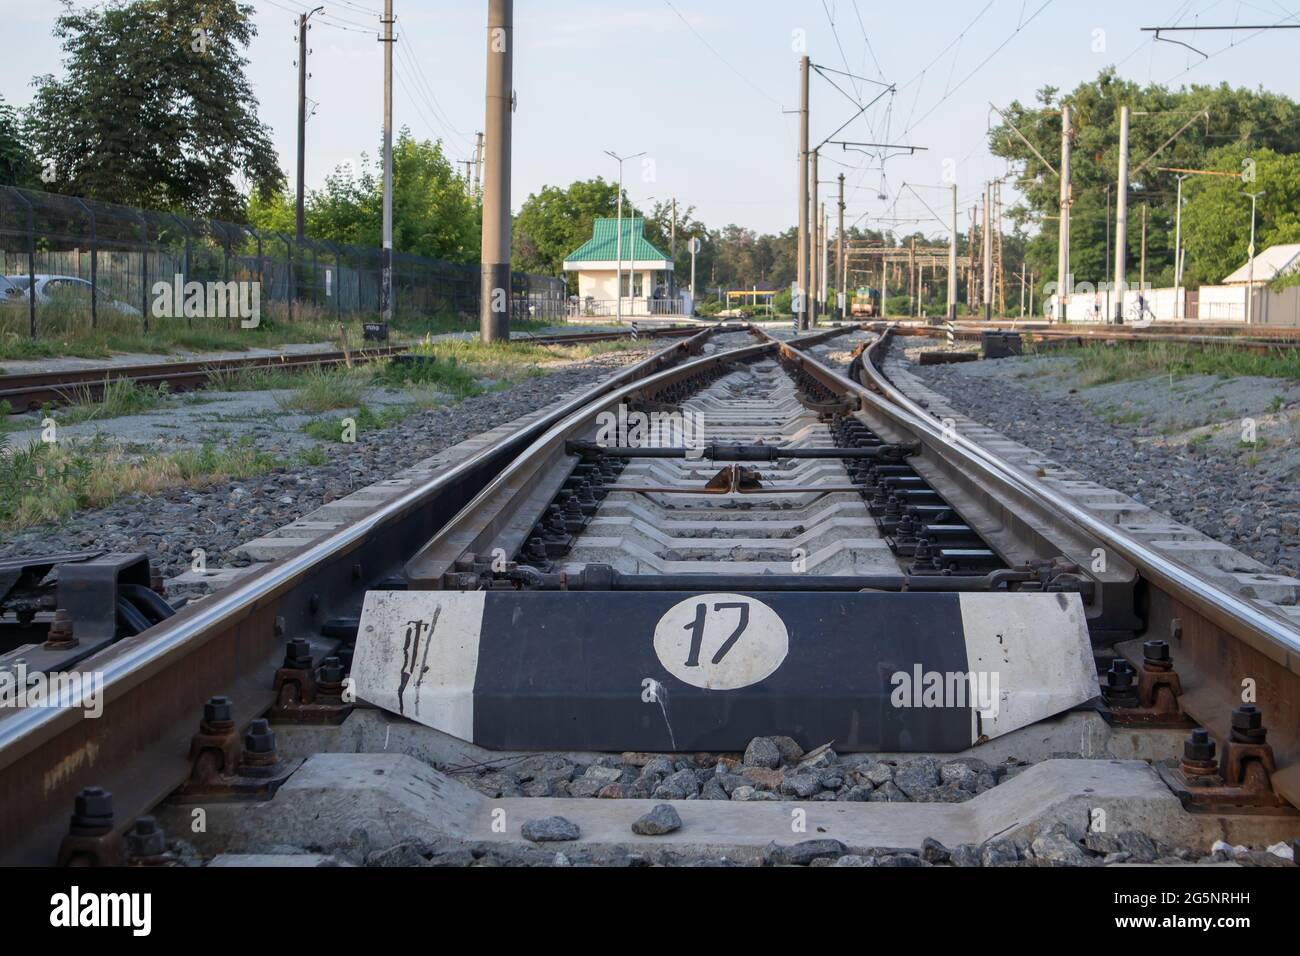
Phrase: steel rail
(1224, 607)
(1273, 643)
(489, 513)
(155, 683)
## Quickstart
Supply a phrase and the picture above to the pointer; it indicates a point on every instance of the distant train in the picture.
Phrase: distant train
(866, 302)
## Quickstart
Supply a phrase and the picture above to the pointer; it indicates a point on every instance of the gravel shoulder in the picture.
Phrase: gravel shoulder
(219, 518)
(1219, 454)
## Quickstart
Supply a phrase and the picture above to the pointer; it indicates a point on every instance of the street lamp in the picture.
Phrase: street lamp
(1250, 280)
(1178, 250)
(618, 291)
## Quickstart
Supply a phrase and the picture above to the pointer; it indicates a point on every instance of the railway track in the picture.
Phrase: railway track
(1259, 339)
(738, 538)
(31, 390)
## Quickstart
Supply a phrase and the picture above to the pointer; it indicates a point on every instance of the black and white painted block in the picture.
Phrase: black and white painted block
(615, 671)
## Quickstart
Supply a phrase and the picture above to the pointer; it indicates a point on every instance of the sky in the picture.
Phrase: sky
(707, 88)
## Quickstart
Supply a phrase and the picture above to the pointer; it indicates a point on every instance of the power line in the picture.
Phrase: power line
(982, 64)
(412, 61)
(723, 60)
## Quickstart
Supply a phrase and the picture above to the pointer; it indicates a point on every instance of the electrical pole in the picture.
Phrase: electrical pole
(302, 121)
(386, 256)
(1121, 217)
(814, 272)
(495, 288)
(826, 259)
(952, 261)
(841, 298)
(1064, 280)
(988, 252)
(801, 292)
(478, 168)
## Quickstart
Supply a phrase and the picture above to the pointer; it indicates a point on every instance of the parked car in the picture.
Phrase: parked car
(14, 290)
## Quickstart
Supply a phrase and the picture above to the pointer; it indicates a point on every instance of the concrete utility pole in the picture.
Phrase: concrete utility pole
(478, 167)
(801, 292)
(1121, 217)
(302, 120)
(952, 261)
(988, 252)
(1250, 278)
(1064, 280)
(494, 290)
(826, 259)
(841, 263)
(815, 272)
(386, 255)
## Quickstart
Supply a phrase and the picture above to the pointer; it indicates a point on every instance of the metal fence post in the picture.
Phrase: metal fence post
(31, 262)
(94, 264)
(185, 261)
(288, 284)
(144, 268)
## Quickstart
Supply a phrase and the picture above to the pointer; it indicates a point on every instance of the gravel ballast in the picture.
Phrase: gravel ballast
(219, 518)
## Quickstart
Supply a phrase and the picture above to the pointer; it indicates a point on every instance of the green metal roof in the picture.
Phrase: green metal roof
(603, 244)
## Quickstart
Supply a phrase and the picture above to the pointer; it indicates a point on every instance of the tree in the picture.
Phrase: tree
(554, 222)
(154, 108)
(16, 165)
(432, 214)
(1251, 119)
(1216, 221)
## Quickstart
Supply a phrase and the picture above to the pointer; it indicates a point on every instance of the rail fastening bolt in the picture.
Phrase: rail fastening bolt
(146, 838)
(297, 655)
(92, 810)
(1199, 747)
(260, 738)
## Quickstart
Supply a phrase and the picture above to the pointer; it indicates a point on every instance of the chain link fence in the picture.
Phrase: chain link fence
(68, 265)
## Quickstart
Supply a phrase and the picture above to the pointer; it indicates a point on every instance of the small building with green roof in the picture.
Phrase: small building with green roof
(646, 272)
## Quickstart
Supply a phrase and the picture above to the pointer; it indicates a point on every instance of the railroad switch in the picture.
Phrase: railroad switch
(225, 767)
(1240, 780)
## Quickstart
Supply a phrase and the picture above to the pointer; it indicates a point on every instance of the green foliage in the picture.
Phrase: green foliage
(17, 166)
(1216, 220)
(151, 114)
(431, 371)
(1247, 120)
(554, 222)
(432, 215)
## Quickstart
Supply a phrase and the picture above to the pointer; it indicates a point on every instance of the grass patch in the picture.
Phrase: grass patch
(120, 397)
(320, 390)
(44, 483)
(63, 329)
(332, 429)
(1100, 364)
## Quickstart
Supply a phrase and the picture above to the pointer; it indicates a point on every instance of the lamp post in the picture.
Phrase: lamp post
(1178, 250)
(618, 291)
(1250, 281)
